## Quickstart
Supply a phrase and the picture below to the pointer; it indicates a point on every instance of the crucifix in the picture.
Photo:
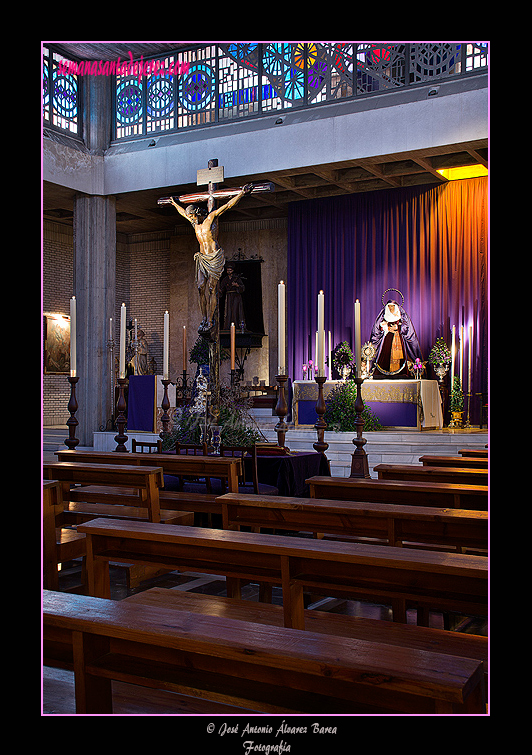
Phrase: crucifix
(210, 259)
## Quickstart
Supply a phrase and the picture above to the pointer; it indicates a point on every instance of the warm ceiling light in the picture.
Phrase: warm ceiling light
(467, 171)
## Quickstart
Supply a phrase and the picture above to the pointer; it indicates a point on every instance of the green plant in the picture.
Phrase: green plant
(340, 411)
(199, 353)
(238, 428)
(440, 353)
(456, 400)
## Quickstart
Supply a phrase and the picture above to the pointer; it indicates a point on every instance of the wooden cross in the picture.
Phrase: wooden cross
(212, 176)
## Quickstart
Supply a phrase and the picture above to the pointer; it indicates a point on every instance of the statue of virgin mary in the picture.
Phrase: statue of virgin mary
(395, 340)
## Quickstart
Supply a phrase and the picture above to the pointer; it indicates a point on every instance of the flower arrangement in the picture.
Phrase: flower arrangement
(417, 368)
(340, 413)
(343, 359)
(440, 353)
(199, 353)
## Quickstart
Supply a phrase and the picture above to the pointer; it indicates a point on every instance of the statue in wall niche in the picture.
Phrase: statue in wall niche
(233, 287)
(395, 340)
(210, 259)
(141, 356)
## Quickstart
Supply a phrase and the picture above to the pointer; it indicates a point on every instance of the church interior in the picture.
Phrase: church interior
(265, 383)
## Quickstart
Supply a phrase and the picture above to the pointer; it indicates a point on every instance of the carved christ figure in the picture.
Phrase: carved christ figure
(210, 259)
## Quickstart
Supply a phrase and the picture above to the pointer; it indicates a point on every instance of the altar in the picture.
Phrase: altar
(399, 404)
(144, 403)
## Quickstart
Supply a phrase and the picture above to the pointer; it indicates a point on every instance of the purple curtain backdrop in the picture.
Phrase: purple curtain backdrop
(431, 243)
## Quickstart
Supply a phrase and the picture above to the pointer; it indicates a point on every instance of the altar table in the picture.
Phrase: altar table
(399, 404)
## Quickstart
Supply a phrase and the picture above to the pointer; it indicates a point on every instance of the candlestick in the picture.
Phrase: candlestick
(358, 343)
(281, 334)
(184, 348)
(359, 459)
(73, 337)
(233, 346)
(71, 442)
(321, 334)
(166, 344)
(122, 359)
(321, 446)
(165, 405)
(281, 410)
(121, 406)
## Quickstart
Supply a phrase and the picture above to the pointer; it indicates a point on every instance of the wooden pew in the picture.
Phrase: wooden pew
(479, 452)
(356, 628)
(399, 576)
(388, 524)
(410, 472)
(145, 481)
(254, 666)
(414, 493)
(228, 468)
(196, 466)
(464, 462)
(60, 544)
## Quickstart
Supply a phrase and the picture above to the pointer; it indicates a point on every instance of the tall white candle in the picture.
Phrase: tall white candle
(110, 328)
(135, 328)
(233, 345)
(330, 356)
(166, 344)
(73, 337)
(358, 343)
(281, 333)
(453, 349)
(321, 334)
(122, 360)
(469, 360)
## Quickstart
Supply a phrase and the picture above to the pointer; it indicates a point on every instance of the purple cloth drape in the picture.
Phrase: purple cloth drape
(430, 242)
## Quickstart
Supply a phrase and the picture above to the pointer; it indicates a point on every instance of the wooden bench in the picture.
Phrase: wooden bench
(400, 577)
(479, 452)
(178, 465)
(60, 544)
(265, 668)
(411, 472)
(460, 644)
(174, 500)
(145, 483)
(464, 462)
(413, 493)
(396, 525)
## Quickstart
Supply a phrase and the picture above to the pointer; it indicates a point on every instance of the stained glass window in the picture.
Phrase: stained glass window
(60, 93)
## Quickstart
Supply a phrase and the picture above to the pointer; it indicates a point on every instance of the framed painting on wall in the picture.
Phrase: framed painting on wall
(56, 344)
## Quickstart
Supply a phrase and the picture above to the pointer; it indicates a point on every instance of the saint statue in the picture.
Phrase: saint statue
(233, 287)
(140, 360)
(210, 259)
(395, 340)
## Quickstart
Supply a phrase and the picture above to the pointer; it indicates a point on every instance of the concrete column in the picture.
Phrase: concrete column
(94, 287)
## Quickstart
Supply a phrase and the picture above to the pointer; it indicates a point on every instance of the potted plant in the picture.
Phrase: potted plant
(340, 414)
(456, 403)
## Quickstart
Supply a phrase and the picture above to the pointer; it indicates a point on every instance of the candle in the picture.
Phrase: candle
(321, 334)
(330, 356)
(281, 334)
(122, 360)
(73, 337)
(469, 360)
(453, 347)
(110, 328)
(233, 345)
(358, 344)
(166, 343)
(184, 348)
(135, 328)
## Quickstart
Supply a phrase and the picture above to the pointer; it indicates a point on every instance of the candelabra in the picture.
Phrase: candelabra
(281, 410)
(359, 460)
(320, 425)
(71, 442)
(121, 418)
